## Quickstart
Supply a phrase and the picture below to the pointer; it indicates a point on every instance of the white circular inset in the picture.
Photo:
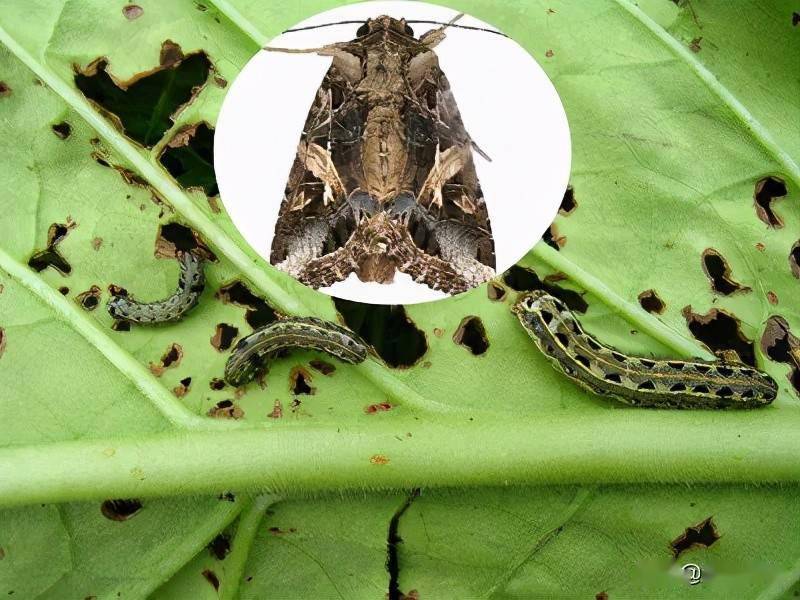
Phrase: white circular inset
(508, 106)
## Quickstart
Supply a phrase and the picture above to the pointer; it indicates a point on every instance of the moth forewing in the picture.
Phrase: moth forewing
(384, 177)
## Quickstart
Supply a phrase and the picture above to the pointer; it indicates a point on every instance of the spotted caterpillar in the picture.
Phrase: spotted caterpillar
(251, 353)
(634, 380)
(186, 297)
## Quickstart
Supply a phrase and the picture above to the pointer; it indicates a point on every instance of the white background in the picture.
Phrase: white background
(507, 104)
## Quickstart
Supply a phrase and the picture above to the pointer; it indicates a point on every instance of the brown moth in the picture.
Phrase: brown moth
(384, 178)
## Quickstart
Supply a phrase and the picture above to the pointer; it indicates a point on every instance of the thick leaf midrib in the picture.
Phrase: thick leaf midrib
(654, 447)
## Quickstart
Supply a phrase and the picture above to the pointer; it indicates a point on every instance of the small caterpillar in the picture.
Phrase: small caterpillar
(250, 355)
(190, 286)
(634, 380)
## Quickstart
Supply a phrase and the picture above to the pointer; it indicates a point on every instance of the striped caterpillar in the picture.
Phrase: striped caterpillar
(190, 285)
(634, 380)
(252, 352)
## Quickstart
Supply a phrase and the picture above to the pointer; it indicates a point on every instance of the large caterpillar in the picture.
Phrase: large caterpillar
(251, 353)
(634, 380)
(190, 285)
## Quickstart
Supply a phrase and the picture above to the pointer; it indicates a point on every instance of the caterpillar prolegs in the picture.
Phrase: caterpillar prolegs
(635, 380)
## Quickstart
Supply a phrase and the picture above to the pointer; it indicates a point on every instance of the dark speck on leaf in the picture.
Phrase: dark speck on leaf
(704, 534)
(472, 335)
(132, 11)
(120, 510)
(62, 129)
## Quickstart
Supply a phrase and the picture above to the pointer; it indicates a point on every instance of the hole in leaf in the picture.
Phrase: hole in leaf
(132, 11)
(552, 238)
(183, 387)
(394, 336)
(702, 535)
(121, 326)
(568, 203)
(216, 383)
(472, 335)
(778, 342)
(795, 18)
(521, 279)
(393, 541)
(650, 301)
(223, 337)
(794, 259)
(211, 578)
(495, 291)
(767, 190)
(720, 331)
(63, 290)
(323, 367)
(120, 510)
(174, 237)
(62, 130)
(220, 546)
(50, 256)
(189, 158)
(300, 382)
(718, 272)
(90, 299)
(144, 105)
(258, 314)
(171, 358)
(226, 409)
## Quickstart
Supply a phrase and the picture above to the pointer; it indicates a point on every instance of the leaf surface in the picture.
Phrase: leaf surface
(669, 147)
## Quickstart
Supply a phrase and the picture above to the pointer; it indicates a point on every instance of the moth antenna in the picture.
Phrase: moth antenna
(319, 50)
(424, 22)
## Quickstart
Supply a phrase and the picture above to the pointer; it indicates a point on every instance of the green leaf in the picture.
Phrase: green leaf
(529, 485)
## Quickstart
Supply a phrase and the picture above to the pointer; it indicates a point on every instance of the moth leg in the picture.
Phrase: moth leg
(435, 36)
(362, 205)
(404, 207)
